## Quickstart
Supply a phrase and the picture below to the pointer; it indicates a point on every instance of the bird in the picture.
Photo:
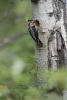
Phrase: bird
(33, 30)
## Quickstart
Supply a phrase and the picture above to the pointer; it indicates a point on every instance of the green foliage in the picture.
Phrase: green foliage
(33, 94)
(3, 7)
(56, 80)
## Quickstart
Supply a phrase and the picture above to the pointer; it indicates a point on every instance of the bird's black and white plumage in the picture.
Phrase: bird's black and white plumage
(34, 32)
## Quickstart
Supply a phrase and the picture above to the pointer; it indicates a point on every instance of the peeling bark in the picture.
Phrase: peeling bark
(56, 47)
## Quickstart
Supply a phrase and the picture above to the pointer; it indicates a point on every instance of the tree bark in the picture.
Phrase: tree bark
(52, 15)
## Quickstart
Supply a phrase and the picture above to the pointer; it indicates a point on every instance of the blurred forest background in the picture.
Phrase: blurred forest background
(17, 63)
(18, 75)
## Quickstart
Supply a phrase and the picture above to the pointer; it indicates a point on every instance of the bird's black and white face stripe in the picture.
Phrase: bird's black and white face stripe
(31, 23)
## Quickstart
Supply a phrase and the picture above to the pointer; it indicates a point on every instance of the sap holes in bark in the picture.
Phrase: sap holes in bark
(50, 14)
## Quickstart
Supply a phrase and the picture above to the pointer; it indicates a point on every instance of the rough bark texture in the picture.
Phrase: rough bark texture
(52, 15)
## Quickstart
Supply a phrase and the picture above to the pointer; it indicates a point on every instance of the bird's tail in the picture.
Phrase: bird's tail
(39, 43)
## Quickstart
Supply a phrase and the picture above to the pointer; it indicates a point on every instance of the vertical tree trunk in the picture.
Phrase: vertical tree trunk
(52, 17)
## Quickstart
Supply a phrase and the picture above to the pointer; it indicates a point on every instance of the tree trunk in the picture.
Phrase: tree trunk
(52, 15)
